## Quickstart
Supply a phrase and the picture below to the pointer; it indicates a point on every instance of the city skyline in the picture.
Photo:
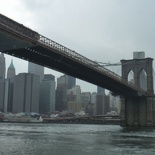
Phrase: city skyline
(27, 93)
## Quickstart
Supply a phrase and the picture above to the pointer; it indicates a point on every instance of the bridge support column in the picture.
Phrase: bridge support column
(138, 111)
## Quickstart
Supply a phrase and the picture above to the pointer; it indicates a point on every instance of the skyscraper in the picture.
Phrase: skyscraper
(61, 94)
(10, 77)
(71, 81)
(64, 83)
(4, 94)
(2, 66)
(26, 93)
(74, 93)
(100, 90)
(100, 101)
(3, 83)
(11, 72)
(93, 97)
(36, 69)
(47, 95)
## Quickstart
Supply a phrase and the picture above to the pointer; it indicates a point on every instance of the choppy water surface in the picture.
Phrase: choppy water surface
(69, 139)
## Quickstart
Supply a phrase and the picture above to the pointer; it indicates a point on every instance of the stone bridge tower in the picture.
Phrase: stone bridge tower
(138, 110)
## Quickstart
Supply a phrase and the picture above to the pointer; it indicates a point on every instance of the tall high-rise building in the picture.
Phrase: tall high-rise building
(47, 95)
(61, 94)
(100, 90)
(64, 83)
(26, 93)
(49, 77)
(4, 87)
(74, 93)
(71, 81)
(74, 99)
(86, 97)
(11, 72)
(100, 101)
(36, 69)
(115, 103)
(93, 97)
(2, 66)
(100, 104)
(2, 84)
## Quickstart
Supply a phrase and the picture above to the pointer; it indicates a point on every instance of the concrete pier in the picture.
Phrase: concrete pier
(138, 111)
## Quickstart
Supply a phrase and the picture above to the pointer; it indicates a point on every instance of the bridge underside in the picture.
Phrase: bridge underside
(54, 59)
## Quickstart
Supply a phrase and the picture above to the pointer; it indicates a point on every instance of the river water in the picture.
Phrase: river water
(74, 139)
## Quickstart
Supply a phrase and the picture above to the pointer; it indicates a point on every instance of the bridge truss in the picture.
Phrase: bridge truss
(22, 42)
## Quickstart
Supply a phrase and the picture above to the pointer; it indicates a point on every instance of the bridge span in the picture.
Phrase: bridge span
(24, 43)
(137, 105)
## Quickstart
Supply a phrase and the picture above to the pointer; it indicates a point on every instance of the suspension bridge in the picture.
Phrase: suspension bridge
(137, 104)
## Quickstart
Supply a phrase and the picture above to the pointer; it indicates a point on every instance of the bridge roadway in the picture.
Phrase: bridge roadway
(22, 42)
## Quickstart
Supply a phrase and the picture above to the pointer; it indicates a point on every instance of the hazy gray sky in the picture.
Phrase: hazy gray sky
(102, 30)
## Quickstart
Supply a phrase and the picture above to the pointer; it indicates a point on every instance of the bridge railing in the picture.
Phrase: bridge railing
(84, 60)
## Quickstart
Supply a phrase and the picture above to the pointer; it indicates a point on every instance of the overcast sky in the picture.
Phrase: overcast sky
(102, 30)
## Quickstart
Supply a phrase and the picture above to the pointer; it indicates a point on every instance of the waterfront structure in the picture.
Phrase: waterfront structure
(2, 66)
(47, 95)
(36, 69)
(26, 93)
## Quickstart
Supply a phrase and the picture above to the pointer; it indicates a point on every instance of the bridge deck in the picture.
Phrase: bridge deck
(22, 42)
